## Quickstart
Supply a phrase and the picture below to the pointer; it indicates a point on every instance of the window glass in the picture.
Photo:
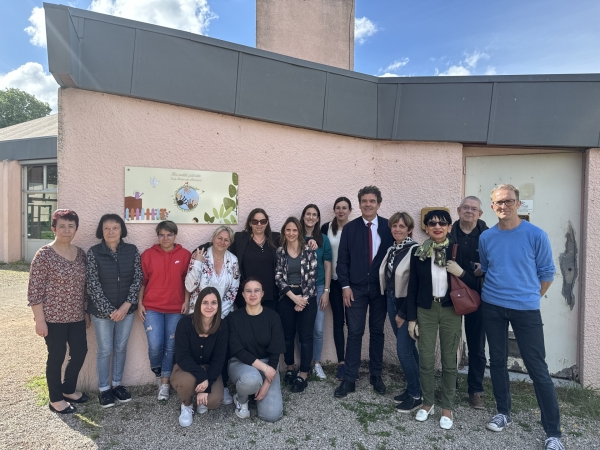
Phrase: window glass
(39, 214)
(52, 176)
(35, 178)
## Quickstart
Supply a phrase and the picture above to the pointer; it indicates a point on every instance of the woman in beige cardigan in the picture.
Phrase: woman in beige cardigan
(393, 280)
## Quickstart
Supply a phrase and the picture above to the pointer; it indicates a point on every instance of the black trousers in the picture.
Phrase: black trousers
(476, 346)
(356, 314)
(59, 335)
(339, 316)
(302, 322)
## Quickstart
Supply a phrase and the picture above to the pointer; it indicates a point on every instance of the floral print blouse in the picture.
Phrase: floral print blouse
(203, 274)
(58, 284)
(308, 272)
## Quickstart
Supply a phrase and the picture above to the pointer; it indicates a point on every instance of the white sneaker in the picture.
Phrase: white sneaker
(163, 392)
(318, 371)
(201, 409)
(498, 423)
(227, 398)
(187, 415)
(423, 415)
(446, 422)
(241, 409)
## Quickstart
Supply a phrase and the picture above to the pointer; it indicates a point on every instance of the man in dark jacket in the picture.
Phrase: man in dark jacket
(363, 246)
(465, 232)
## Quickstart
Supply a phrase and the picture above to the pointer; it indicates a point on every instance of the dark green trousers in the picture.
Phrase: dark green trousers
(449, 325)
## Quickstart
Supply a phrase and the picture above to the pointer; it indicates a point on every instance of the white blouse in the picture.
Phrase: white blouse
(439, 279)
(335, 245)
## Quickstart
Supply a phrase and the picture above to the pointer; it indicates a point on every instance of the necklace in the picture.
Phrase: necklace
(260, 244)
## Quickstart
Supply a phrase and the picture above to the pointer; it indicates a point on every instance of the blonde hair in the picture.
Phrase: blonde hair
(220, 229)
(506, 187)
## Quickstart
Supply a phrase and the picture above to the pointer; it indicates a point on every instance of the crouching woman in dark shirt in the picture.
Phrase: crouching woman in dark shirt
(200, 352)
(255, 343)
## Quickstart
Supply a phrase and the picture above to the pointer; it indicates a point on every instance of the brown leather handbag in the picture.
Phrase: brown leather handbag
(465, 299)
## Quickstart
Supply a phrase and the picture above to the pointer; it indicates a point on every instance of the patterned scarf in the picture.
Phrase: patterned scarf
(428, 248)
(396, 249)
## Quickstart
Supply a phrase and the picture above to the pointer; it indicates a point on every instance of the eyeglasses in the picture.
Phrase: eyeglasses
(259, 222)
(470, 208)
(433, 223)
(510, 202)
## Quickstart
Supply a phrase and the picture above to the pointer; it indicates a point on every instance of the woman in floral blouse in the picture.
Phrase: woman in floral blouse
(56, 296)
(296, 275)
(216, 267)
(114, 278)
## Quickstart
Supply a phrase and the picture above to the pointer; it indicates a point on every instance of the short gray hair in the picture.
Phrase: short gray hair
(470, 197)
(505, 187)
(220, 229)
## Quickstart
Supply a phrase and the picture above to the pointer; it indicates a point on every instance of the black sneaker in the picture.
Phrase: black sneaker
(400, 398)
(299, 384)
(106, 399)
(289, 377)
(409, 405)
(121, 394)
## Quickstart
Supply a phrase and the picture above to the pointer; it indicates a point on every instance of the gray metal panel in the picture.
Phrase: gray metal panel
(280, 92)
(61, 37)
(184, 72)
(456, 112)
(107, 57)
(386, 107)
(24, 149)
(351, 107)
(547, 114)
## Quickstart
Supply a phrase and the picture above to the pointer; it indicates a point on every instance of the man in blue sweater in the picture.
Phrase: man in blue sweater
(517, 261)
(363, 245)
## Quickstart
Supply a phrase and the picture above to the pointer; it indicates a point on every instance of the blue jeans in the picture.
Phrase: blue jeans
(160, 331)
(318, 330)
(529, 332)
(405, 349)
(112, 338)
(248, 381)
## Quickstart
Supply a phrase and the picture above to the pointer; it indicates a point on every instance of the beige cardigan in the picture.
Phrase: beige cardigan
(401, 276)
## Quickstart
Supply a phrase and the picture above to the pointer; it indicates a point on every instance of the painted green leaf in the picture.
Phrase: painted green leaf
(212, 220)
(229, 203)
(227, 212)
(221, 211)
(216, 213)
(233, 220)
(232, 190)
(206, 217)
(234, 178)
(226, 221)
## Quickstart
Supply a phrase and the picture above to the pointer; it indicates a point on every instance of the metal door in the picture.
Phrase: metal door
(550, 187)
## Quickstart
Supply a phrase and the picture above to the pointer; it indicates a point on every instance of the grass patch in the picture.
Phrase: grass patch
(92, 416)
(382, 433)
(307, 437)
(359, 446)
(40, 388)
(17, 266)
(291, 441)
(367, 412)
(333, 442)
(579, 402)
(525, 426)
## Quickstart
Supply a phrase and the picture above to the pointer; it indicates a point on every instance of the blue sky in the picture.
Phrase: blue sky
(394, 37)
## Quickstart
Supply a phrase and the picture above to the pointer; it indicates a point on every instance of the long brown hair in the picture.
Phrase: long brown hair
(268, 233)
(334, 223)
(316, 233)
(197, 317)
(282, 238)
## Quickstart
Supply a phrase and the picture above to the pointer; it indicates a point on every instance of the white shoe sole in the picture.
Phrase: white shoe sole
(496, 429)
(242, 416)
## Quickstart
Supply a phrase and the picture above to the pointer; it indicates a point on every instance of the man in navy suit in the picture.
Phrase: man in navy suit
(363, 246)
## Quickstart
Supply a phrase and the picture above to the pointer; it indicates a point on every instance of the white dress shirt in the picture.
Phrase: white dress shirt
(374, 234)
(439, 279)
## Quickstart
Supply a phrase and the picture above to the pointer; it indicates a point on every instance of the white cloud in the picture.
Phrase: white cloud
(490, 71)
(454, 71)
(31, 78)
(363, 28)
(472, 59)
(37, 30)
(387, 74)
(397, 65)
(187, 15)
(467, 66)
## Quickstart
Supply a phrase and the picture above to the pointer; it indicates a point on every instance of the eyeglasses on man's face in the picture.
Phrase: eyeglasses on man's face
(259, 222)
(509, 202)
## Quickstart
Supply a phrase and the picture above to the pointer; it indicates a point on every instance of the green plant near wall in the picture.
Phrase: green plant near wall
(229, 206)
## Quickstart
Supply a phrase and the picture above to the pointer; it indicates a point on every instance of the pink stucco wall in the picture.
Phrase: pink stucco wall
(280, 168)
(589, 348)
(10, 205)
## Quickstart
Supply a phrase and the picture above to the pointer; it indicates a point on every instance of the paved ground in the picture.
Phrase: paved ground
(313, 420)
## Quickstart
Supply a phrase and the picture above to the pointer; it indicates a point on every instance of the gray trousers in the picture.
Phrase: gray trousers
(248, 381)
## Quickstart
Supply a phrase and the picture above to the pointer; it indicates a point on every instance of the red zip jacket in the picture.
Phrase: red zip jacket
(164, 278)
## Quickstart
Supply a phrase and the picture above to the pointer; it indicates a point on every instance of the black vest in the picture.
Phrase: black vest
(115, 276)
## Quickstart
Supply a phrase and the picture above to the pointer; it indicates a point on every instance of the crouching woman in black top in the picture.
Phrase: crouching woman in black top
(200, 350)
(255, 343)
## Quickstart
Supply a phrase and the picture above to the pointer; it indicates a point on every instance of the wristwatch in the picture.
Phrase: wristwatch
(327, 290)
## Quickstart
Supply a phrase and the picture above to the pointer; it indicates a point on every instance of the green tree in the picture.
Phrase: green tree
(18, 106)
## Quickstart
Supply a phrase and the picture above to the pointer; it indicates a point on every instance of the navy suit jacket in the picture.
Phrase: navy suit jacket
(353, 254)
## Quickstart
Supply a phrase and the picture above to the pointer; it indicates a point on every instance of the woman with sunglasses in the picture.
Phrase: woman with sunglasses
(311, 229)
(296, 276)
(342, 207)
(428, 308)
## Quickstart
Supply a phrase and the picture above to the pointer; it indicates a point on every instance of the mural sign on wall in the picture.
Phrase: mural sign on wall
(180, 195)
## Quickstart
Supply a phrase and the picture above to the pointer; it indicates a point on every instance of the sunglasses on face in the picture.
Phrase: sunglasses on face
(259, 222)
(433, 223)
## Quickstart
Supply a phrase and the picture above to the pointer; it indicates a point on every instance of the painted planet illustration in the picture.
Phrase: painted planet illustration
(187, 198)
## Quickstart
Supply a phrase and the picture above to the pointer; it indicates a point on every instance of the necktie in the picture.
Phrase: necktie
(370, 243)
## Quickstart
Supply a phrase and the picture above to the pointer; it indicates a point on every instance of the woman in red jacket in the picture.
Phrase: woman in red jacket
(163, 300)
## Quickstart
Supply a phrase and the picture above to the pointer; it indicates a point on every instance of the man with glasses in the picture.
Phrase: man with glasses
(363, 245)
(517, 260)
(466, 234)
